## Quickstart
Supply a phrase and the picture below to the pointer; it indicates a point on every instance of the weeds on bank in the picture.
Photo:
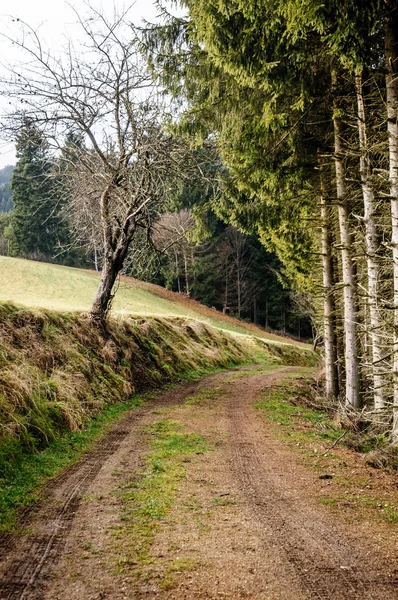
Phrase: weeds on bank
(314, 433)
(147, 501)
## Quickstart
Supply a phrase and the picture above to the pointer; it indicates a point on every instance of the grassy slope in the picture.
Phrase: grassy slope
(53, 287)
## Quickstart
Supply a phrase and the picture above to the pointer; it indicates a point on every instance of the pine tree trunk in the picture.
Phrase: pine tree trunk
(332, 385)
(351, 358)
(391, 54)
(372, 246)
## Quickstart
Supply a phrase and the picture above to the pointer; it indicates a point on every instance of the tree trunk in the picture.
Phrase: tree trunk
(332, 385)
(391, 52)
(113, 262)
(351, 358)
(103, 298)
(95, 258)
(372, 247)
(177, 267)
(238, 286)
(226, 288)
(186, 274)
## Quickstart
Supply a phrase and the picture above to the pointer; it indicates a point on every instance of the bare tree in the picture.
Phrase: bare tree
(238, 259)
(170, 237)
(129, 166)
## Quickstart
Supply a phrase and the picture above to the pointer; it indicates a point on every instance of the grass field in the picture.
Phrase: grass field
(41, 285)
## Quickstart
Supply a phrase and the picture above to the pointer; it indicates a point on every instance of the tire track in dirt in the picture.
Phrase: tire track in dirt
(318, 552)
(27, 559)
(35, 553)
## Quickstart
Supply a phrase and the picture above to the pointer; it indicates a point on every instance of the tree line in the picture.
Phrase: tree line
(301, 100)
(227, 270)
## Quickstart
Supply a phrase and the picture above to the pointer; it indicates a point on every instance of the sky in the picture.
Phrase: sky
(55, 19)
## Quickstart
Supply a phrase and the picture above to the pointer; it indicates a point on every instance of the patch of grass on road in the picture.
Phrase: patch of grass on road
(147, 501)
(283, 405)
(205, 396)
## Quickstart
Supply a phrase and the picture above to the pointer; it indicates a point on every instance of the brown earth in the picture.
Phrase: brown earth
(247, 521)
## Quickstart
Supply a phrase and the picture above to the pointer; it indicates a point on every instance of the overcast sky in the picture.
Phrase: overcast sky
(56, 18)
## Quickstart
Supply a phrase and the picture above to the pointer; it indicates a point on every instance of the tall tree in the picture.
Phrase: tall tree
(346, 239)
(5, 192)
(33, 220)
(391, 59)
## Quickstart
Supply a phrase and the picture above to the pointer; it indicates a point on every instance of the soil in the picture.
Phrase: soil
(247, 521)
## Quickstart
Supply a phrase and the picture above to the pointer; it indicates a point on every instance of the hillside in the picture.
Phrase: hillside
(41, 285)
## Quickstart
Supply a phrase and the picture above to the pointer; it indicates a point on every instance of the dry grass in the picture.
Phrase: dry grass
(57, 369)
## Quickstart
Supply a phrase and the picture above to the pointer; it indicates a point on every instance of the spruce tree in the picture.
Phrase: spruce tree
(34, 219)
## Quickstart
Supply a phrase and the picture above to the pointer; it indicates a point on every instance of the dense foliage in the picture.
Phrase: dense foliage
(301, 101)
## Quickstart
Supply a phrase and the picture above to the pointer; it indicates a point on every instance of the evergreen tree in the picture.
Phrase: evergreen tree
(5, 192)
(34, 219)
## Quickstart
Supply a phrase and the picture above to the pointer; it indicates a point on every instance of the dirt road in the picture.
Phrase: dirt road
(246, 521)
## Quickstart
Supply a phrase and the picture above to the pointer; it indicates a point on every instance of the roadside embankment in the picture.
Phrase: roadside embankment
(57, 369)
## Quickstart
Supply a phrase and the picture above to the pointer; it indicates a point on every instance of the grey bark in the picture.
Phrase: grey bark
(391, 55)
(352, 395)
(372, 247)
(331, 375)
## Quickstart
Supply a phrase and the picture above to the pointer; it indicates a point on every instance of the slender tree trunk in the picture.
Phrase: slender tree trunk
(95, 258)
(332, 384)
(239, 294)
(372, 247)
(226, 288)
(177, 271)
(351, 358)
(391, 52)
(238, 284)
(193, 264)
(186, 274)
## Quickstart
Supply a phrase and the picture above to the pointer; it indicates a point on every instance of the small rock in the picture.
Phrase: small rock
(325, 476)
